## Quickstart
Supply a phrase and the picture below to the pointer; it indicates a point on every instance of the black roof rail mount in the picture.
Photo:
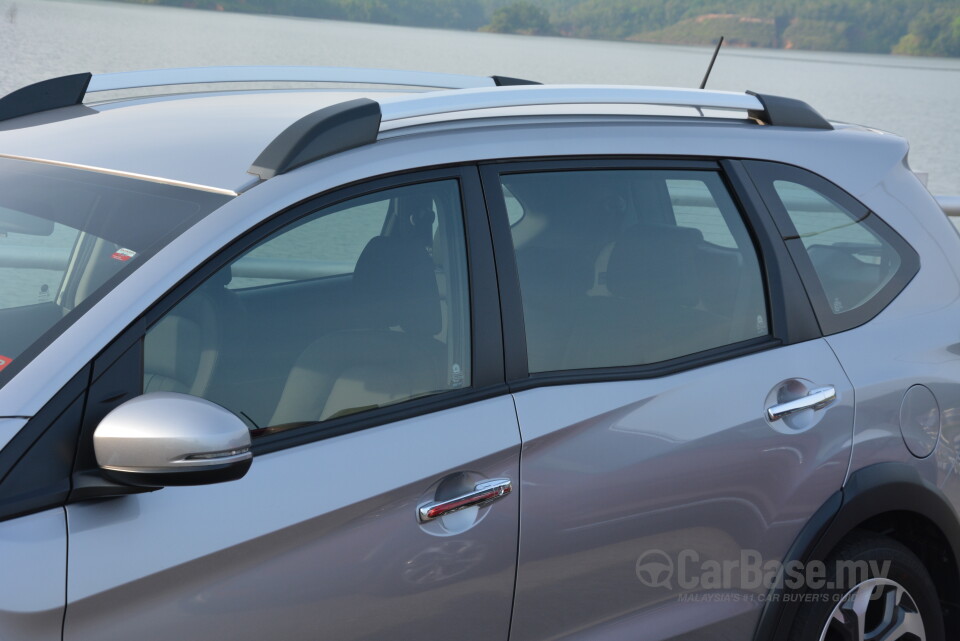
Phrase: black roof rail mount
(787, 112)
(320, 134)
(506, 81)
(54, 93)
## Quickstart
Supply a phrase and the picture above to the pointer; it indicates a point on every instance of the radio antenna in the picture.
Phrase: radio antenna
(712, 60)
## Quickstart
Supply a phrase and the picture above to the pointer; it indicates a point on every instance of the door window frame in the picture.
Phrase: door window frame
(121, 363)
(790, 318)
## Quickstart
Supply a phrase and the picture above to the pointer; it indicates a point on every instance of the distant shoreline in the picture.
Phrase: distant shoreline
(928, 28)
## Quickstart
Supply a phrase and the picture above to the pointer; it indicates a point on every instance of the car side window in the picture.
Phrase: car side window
(514, 208)
(853, 264)
(627, 267)
(35, 263)
(326, 246)
(695, 206)
(357, 306)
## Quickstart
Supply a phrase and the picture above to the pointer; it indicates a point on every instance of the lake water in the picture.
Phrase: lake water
(914, 97)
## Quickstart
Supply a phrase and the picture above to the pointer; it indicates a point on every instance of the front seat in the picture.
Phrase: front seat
(181, 352)
(390, 355)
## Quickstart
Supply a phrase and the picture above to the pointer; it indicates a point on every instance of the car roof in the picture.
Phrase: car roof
(214, 140)
(207, 140)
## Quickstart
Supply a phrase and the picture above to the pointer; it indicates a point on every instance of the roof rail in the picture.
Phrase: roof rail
(64, 91)
(322, 133)
(67, 91)
(949, 204)
(442, 102)
(357, 122)
(787, 112)
(198, 75)
(507, 81)
(771, 110)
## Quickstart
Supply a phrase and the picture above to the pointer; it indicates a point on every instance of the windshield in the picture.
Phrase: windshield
(68, 236)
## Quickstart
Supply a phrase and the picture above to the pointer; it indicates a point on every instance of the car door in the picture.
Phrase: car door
(33, 549)
(681, 417)
(363, 349)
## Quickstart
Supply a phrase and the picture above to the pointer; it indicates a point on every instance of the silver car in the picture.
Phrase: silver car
(447, 357)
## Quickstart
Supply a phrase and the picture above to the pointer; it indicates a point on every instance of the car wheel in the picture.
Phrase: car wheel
(879, 602)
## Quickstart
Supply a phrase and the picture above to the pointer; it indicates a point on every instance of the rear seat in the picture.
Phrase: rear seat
(653, 311)
(554, 282)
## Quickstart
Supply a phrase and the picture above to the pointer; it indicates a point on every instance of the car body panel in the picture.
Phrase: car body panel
(9, 428)
(827, 154)
(33, 554)
(920, 342)
(113, 135)
(226, 132)
(618, 470)
(322, 538)
(347, 558)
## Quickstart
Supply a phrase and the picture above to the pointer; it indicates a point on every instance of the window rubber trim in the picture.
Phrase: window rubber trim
(647, 370)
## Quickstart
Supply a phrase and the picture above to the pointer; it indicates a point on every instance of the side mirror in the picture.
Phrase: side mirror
(163, 438)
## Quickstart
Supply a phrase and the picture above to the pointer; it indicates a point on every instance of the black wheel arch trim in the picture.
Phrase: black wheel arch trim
(869, 492)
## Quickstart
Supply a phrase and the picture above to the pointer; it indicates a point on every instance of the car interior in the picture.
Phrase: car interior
(59, 253)
(300, 350)
(852, 262)
(617, 268)
(654, 271)
(622, 285)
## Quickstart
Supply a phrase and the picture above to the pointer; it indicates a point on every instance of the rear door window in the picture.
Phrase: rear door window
(627, 267)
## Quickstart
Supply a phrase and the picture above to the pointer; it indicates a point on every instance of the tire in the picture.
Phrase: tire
(899, 604)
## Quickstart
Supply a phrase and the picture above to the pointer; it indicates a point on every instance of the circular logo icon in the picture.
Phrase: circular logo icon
(655, 569)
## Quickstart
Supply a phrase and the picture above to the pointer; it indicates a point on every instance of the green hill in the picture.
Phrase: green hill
(912, 27)
(738, 31)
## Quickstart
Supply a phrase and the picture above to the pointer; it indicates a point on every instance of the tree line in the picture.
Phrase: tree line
(912, 27)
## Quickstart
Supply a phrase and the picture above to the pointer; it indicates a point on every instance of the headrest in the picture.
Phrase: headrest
(656, 264)
(221, 278)
(415, 215)
(576, 204)
(174, 347)
(395, 285)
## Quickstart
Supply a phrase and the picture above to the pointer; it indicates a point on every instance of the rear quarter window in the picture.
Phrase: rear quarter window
(853, 264)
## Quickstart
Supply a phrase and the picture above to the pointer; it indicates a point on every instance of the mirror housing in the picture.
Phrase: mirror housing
(164, 439)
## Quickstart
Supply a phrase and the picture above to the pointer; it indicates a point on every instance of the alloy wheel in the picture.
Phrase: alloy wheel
(875, 610)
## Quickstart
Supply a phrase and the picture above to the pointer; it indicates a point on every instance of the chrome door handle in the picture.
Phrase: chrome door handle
(483, 493)
(817, 399)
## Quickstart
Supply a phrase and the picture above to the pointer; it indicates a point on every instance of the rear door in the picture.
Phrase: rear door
(654, 325)
(360, 339)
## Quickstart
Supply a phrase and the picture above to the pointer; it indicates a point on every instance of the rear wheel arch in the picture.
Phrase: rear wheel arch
(891, 499)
